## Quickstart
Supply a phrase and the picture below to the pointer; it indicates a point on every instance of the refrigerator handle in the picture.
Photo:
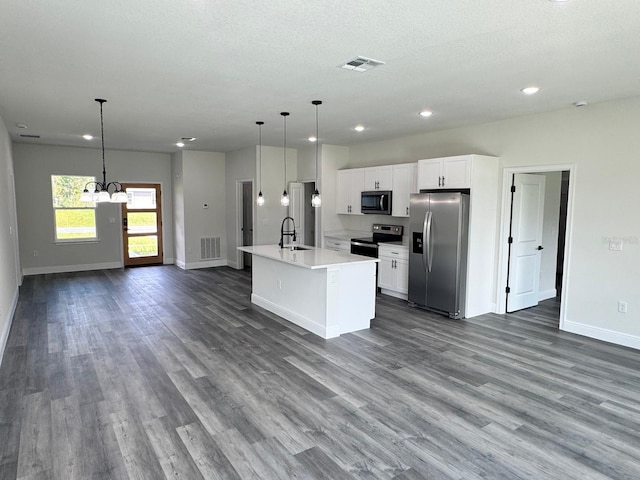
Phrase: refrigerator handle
(424, 240)
(428, 244)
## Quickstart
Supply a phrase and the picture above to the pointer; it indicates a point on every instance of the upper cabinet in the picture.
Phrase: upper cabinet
(403, 185)
(350, 184)
(378, 178)
(448, 172)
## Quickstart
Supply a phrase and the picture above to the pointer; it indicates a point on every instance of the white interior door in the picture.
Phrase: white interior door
(527, 213)
(296, 209)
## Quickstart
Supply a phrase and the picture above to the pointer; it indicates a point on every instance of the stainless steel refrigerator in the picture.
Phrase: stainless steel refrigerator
(438, 229)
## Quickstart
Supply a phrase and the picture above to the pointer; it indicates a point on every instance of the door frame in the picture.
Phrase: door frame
(505, 220)
(239, 207)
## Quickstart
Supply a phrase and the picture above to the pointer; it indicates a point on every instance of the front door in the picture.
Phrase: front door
(142, 224)
(527, 212)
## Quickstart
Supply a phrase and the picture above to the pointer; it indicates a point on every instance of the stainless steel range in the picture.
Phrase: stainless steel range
(380, 234)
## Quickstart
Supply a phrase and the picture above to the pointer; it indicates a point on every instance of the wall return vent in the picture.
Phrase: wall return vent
(361, 64)
(210, 248)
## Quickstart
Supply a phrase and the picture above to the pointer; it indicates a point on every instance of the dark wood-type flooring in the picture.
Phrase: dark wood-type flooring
(155, 373)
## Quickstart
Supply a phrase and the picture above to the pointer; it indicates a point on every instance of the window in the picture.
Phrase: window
(74, 220)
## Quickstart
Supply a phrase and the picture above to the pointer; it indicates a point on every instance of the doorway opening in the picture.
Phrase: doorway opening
(142, 225)
(244, 233)
(535, 232)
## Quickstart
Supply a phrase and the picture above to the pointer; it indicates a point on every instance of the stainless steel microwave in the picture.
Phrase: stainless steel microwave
(377, 202)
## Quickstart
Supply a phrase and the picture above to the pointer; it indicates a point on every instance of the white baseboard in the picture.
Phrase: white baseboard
(547, 294)
(210, 263)
(167, 261)
(181, 264)
(624, 339)
(294, 318)
(393, 293)
(4, 335)
(233, 264)
(71, 268)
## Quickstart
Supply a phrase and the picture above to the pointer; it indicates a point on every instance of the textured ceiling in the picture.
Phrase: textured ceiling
(211, 68)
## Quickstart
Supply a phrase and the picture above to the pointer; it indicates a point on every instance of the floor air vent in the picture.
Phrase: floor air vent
(209, 248)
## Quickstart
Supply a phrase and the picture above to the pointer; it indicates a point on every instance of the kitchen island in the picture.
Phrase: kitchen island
(323, 291)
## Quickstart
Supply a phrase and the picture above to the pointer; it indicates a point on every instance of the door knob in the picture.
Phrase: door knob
(540, 247)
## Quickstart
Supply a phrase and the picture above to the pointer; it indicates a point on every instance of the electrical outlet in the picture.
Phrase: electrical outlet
(35, 253)
(622, 307)
(280, 284)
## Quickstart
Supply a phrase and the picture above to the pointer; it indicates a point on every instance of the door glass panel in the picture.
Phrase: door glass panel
(146, 246)
(142, 222)
(141, 198)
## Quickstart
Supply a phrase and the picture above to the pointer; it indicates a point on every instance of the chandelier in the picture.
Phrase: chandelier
(101, 193)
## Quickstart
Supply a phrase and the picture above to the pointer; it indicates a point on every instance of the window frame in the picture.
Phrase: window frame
(89, 206)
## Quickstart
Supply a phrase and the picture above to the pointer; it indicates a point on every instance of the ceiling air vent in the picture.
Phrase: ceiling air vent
(24, 135)
(361, 64)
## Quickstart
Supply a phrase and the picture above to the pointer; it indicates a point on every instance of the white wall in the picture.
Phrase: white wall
(333, 158)
(203, 177)
(34, 165)
(9, 262)
(240, 165)
(603, 143)
(180, 248)
(243, 165)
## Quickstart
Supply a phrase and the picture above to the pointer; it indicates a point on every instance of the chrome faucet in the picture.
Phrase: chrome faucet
(290, 233)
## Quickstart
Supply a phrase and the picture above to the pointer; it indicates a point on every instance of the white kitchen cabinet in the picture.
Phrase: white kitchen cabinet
(393, 270)
(337, 244)
(378, 178)
(350, 184)
(404, 183)
(448, 172)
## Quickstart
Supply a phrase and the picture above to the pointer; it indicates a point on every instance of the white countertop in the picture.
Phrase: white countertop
(312, 258)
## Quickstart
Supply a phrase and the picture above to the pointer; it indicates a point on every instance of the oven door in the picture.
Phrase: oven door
(366, 249)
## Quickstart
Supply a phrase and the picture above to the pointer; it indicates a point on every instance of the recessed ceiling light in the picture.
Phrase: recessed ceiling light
(426, 113)
(21, 125)
(188, 139)
(180, 144)
(312, 139)
(86, 136)
(580, 103)
(530, 90)
(359, 128)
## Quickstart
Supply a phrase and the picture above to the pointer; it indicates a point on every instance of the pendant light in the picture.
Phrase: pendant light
(316, 200)
(260, 200)
(284, 198)
(101, 189)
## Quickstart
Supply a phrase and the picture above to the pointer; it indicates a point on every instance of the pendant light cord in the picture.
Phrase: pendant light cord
(104, 169)
(285, 152)
(317, 142)
(284, 116)
(260, 155)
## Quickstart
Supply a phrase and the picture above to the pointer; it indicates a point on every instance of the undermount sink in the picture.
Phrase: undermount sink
(296, 247)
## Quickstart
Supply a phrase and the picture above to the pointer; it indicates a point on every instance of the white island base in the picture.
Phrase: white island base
(325, 292)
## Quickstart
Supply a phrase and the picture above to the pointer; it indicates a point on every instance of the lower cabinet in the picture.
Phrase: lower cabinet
(337, 244)
(393, 270)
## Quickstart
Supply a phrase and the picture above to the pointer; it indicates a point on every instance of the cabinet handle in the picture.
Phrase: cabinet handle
(443, 181)
(407, 210)
(439, 181)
